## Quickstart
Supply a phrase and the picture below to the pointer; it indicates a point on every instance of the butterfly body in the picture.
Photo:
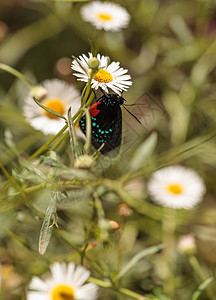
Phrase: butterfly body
(106, 122)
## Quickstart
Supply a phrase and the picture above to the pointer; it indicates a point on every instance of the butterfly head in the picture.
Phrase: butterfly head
(112, 99)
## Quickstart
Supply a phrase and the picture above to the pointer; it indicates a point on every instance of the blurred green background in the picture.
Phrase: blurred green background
(169, 50)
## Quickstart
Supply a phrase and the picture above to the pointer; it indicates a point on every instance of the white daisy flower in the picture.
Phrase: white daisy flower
(105, 15)
(110, 76)
(65, 282)
(176, 187)
(60, 96)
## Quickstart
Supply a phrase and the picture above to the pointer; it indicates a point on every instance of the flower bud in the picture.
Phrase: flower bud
(186, 244)
(114, 225)
(84, 162)
(93, 63)
(124, 210)
(38, 92)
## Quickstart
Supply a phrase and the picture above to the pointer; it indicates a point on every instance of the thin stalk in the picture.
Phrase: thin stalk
(9, 177)
(55, 146)
(199, 271)
(87, 234)
(88, 88)
(90, 99)
(16, 73)
(46, 145)
(169, 227)
(30, 189)
(76, 117)
(119, 252)
(88, 131)
(122, 291)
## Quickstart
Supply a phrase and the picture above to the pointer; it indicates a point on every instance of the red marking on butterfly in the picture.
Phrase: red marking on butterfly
(93, 110)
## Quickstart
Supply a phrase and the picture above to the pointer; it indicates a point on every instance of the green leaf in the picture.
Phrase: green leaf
(93, 48)
(143, 152)
(73, 136)
(47, 226)
(201, 288)
(50, 110)
(10, 142)
(137, 257)
(88, 131)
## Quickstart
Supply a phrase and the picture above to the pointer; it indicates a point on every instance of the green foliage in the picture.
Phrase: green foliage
(169, 50)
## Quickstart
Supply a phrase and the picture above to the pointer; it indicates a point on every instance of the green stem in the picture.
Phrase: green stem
(76, 117)
(46, 145)
(90, 99)
(100, 282)
(199, 271)
(169, 226)
(8, 176)
(55, 146)
(88, 88)
(132, 294)
(88, 131)
(31, 189)
(66, 239)
(87, 235)
(16, 74)
(122, 291)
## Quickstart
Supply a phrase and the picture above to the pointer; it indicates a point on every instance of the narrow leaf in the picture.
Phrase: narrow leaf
(47, 227)
(73, 136)
(88, 131)
(143, 152)
(50, 110)
(137, 257)
(201, 288)
(93, 48)
(10, 142)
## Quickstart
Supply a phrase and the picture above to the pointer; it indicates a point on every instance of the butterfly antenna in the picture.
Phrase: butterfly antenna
(132, 104)
(132, 114)
(102, 91)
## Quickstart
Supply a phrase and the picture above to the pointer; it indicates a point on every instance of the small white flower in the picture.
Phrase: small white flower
(60, 96)
(187, 244)
(105, 15)
(110, 76)
(176, 187)
(65, 282)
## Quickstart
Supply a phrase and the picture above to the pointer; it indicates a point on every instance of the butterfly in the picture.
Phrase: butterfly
(106, 122)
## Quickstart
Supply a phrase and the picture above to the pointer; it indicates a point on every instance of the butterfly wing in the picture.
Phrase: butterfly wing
(149, 111)
(106, 126)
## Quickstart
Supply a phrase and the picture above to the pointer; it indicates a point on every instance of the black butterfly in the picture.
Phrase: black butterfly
(106, 121)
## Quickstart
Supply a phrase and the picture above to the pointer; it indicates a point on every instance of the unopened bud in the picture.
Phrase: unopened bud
(114, 225)
(187, 245)
(124, 210)
(93, 63)
(38, 92)
(84, 162)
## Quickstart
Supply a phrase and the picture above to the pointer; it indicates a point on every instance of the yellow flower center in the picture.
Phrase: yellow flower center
(63, 292)
(104, 17)
(175, 189)
(103, 76)
(56, 105)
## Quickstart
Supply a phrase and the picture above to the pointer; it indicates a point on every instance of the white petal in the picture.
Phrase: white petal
(70, 271)
(119, 16)
(38, 285)
(81, 274)
(59, 272)
(59, 89)
(87, 292)
(37, 296)
(193, 187)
